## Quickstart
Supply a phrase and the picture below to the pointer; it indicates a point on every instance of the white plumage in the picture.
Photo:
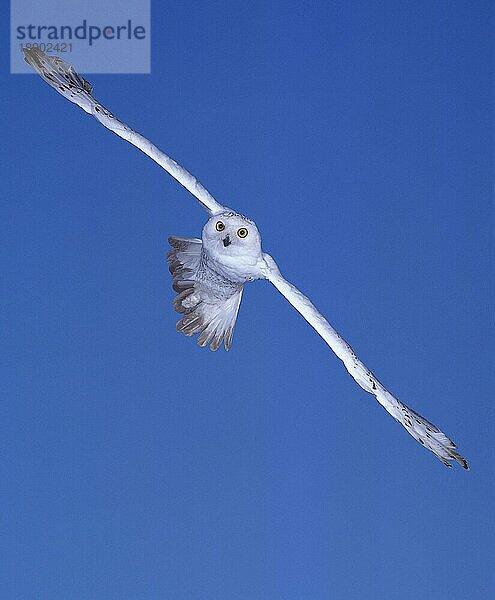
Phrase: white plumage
(209, 273)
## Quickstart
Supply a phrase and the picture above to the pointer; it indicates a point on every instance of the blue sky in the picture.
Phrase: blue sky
(137, 465)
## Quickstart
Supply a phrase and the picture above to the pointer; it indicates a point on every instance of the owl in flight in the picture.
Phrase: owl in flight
(209, 273)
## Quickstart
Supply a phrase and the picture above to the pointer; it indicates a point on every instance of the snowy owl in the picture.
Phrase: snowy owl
(209, 273)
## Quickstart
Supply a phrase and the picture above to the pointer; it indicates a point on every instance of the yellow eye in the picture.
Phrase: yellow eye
(219, 226)
(242, 232)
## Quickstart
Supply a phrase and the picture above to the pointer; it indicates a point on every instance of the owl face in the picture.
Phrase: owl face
(229, 236)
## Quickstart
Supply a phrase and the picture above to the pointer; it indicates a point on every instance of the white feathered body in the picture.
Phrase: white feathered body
(209, 274)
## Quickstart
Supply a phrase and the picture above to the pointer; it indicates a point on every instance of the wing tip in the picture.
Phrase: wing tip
(32, 57)
(458, 459)
(463, 462)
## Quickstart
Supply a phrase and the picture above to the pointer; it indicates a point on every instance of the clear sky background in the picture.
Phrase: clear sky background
(135, 464)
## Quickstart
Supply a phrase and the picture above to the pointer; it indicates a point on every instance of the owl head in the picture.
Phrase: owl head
(229, 236)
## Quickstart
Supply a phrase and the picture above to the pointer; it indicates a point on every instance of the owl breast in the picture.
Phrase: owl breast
(237, 269)
(218, 277)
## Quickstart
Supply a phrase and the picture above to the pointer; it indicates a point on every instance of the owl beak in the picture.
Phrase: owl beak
(226, 241)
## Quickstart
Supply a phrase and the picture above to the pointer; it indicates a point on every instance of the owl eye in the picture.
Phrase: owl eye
(242, 232)
(219, 226)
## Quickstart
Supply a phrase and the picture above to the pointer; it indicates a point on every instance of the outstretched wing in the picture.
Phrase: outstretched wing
(63, 78)
(422, 430)
(209, 308)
